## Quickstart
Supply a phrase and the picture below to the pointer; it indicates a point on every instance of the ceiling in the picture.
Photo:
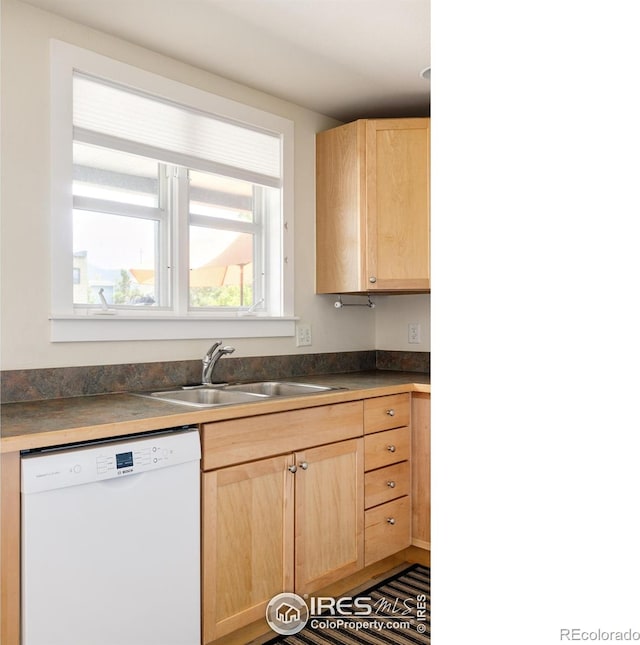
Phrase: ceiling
(347, 59)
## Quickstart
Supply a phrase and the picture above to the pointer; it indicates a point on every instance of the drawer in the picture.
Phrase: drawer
(387, 530)
(386, 448)
(386, 412)
(236, 441)
(385, 484)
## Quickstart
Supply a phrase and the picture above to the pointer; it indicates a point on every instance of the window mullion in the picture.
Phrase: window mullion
(163, 242)
(179, 183)
(261, 243)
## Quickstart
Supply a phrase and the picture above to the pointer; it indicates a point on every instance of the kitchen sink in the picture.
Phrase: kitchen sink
(278, 388)
(207, 396)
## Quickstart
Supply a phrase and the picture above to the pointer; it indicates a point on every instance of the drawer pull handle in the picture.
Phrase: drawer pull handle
(391, 484)
(304, 465)
(391, 448)
(391, 520)
(391, 412)
(293, 468)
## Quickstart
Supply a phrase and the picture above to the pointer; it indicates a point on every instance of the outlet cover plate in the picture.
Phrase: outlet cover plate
(303, 335)
(415, 333)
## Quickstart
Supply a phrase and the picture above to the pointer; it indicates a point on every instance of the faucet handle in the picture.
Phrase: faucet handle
(209, 354)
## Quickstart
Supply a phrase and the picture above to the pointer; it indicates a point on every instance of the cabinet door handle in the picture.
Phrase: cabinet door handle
(304, 465)
(391, 448)
(373, 279)
(391, 484)
(391, 412)
(293, 468)
(391, 520)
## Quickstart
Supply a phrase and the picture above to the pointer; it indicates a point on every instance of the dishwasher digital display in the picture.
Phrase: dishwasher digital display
(124, 459)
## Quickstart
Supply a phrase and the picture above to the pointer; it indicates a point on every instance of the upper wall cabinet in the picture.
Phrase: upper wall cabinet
(372, 207)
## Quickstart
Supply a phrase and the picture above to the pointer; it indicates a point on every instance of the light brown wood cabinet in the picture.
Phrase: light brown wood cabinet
(329, 494)
(372, 207)
(421, 469)
(247, 542)
(387, 451)
(385, 412)
(291, 522)
(387, 529)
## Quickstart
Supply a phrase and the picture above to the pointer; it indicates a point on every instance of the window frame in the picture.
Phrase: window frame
(69, 323)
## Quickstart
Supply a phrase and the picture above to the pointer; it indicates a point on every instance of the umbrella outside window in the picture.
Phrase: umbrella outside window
(233, 266)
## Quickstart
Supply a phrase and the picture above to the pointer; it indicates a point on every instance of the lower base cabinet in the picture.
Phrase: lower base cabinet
(291, 522)
(276, 518)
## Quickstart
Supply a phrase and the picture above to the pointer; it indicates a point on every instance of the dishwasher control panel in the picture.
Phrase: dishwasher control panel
(107, 460)
(135, 460)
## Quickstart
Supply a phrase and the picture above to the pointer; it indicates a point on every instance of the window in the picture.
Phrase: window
(170, 205)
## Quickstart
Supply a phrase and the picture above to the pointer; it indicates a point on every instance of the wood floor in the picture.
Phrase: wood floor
(259, 632)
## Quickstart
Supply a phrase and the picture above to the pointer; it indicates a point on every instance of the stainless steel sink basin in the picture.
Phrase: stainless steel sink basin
(278, 388)
(206, 397)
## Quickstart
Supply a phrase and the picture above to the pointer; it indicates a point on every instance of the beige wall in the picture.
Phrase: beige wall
(393, 315)
(25, 220)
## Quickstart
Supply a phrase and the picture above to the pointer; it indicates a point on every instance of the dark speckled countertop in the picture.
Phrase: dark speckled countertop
(53, 422)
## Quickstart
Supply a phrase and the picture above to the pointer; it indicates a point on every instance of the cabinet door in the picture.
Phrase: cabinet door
(421, 469)
(247, 542)
(398, 204)
(340, 209)
(329, 542)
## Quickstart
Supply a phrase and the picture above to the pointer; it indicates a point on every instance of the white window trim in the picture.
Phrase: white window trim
(67, 329)
(68, 326)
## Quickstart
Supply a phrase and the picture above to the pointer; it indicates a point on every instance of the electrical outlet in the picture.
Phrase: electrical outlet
(303, 335)
(414, 333)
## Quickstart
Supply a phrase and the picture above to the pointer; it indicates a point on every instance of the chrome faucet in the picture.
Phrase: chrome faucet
(211, 358)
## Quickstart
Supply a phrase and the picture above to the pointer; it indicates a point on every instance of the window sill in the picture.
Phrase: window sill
(97, 328)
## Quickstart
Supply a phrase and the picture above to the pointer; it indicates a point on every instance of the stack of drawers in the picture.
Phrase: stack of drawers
(387, 479)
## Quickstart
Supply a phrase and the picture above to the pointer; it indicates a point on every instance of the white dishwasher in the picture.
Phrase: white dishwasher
(111, 542)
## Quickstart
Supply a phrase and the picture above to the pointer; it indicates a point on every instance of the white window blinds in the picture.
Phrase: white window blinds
(167, 131)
